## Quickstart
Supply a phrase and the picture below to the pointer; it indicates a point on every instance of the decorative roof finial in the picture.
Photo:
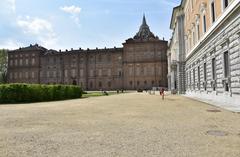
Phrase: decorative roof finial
(144, 20)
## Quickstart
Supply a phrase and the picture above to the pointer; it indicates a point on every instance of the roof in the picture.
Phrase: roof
(144, 32)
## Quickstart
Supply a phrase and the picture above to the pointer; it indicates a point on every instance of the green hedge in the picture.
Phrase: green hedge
(26, 93)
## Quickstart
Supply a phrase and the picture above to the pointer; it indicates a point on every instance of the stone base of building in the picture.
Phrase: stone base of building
(222, 100)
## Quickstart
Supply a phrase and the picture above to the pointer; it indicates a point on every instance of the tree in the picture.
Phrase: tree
(3, 66)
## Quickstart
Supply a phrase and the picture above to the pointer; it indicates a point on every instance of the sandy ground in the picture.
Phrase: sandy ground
(126, 125)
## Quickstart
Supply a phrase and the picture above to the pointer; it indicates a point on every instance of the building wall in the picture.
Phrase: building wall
(106, 69)
(222, 38)
(145, 64)
(177, 53)
(194, 12)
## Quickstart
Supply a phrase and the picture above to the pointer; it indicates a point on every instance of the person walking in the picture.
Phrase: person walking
(162, 93)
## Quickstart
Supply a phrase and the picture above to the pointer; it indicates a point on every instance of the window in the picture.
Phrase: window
(226, 64)
(100, 72)
(145, 83)
(33, 61)
(213, 11)
(91, 85)
(20, 62)
(11, 76)
(119, 73)
(204, 24)
(153, 83)
(199, 80)
(198, 31)
(213, 68)
(130, 83)
(15, 75)
(190, 79)
(109, 72)
(54, 74)
(100, 84)
(66, 73)
(130, 71)
(33, 75)
(138, 71)
(138, 83)
(81, 72)
(20, 75)
(73, 72)
(26, 62)
(91, 73)
(205, 71)
(48, 74)
(26, 75)
(193, 38)
(16, 62)
(109, 84)
(225, 4)
(205, 76)
(194, 79)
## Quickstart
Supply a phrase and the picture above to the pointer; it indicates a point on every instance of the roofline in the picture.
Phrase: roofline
(173, 16)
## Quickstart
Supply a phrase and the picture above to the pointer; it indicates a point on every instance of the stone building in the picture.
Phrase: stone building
(212, 49)
(140, 64)
(176, 53)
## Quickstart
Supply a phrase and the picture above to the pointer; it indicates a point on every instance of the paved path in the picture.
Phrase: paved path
(126, 125)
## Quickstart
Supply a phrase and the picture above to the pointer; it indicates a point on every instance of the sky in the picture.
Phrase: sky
(66, 24)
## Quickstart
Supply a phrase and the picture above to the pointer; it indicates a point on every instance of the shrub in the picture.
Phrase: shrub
(26, 93)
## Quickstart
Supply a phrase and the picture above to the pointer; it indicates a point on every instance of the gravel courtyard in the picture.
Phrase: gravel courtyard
(125, 125)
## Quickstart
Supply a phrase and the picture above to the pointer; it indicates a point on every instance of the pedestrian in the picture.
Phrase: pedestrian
(162, 91)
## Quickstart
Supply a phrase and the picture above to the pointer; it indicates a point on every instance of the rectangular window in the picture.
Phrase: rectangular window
(16, 62)
(81, 72)
(26, 62)
(213, 68)
(20, 62)
(194, 79)
(225, 4)
(54, 74)
(11, 62)
(73, 72)
(33, 75)
(33, 61)
(198, 31)
(213, 11)
(190, 79)
(204, 24)
(198, 77)
(109, 72)
(20, 75)
(226, 64)
(205, 71)
(26, 75)
(66, 73)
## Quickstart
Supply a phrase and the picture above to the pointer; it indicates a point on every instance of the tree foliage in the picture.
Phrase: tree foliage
(3, 66)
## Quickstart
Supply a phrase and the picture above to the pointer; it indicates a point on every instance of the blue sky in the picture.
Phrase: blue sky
(65, 24)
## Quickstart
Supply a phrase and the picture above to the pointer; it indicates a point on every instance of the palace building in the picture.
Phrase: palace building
(205, 50)
(140, 64)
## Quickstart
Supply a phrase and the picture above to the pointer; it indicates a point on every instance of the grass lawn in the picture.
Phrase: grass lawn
(96, 94)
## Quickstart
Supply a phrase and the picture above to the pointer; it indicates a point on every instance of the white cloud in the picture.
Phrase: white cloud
(40, 29)
(74, 11)
(71, 9)
(12, 4)
(10, 44)
(8, 6)
(34, 25)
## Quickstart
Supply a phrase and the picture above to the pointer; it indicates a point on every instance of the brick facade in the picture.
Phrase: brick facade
(140, 64)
